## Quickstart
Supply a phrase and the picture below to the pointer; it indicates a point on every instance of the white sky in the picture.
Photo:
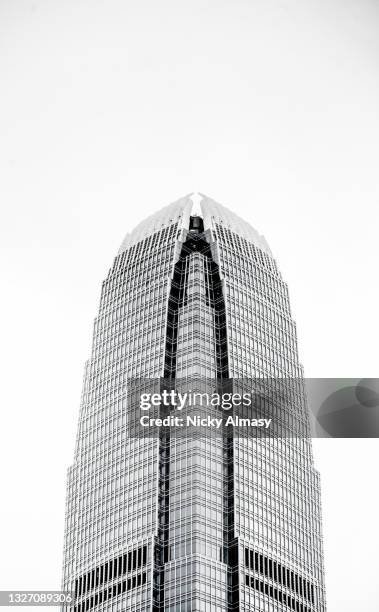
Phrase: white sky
(110, 110)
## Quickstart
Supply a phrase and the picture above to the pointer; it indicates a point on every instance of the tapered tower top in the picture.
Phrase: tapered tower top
(195, 205)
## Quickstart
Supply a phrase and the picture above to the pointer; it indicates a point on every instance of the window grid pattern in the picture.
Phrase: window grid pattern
(173, 310)
(111, 507)
(195, 537)
(277, 493)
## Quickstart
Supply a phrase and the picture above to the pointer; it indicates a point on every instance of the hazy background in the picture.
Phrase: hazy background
(110, 110)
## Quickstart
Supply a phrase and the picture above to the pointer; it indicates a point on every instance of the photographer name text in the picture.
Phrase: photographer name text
(208, 422)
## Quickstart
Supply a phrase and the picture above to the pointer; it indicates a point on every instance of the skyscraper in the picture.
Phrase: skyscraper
(191, 523)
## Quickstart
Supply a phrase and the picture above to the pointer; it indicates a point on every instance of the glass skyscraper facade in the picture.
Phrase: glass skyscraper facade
(200, 522)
